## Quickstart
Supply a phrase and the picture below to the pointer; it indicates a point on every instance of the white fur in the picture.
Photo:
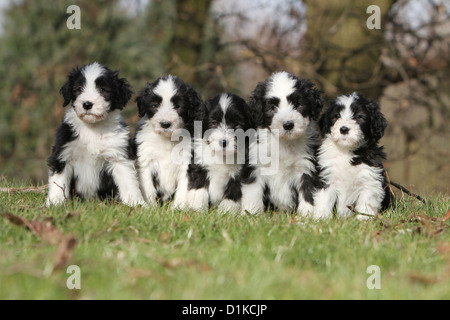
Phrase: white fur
(166, 89)
(100, 108)
(155, 156)
(294, 160)
(97, 144)
(290, 147)
(348, 185)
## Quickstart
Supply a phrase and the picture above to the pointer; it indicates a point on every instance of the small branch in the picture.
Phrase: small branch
(40, 189)
(360, 213)
(403, 189)
(62, 188)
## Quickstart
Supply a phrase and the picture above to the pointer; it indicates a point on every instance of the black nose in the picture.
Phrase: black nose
(165, 124)
(87, 105)
(344, 130)
(223, 143)
(288, 125)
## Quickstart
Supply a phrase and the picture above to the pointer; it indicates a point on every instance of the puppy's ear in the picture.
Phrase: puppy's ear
(66, 92)
(67, 89)
(324, 122)
(256, 105)
(196, 110)
(141, 101)
(311, 96)
(316, 102)
(123, 91)
(378, 122)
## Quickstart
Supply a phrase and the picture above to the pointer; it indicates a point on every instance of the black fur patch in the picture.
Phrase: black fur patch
(64, 135)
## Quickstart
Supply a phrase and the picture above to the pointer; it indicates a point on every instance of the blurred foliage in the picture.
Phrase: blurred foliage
(230, 45)
(38, 50)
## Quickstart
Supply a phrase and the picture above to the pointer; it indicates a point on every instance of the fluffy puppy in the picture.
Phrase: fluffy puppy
(350, 158)
(220, 154)
(285, 108)
(91, 155)
(168, 108)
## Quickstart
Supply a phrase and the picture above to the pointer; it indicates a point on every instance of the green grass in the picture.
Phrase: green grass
(126, 253)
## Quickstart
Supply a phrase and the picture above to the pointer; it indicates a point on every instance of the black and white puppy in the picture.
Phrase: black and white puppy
(91, 155)
(220, 155)
(168, 108)
(286, 108)
(350, 158)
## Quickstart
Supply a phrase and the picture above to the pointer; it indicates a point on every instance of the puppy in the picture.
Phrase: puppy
(168, 108)
(286, 108)
(350, 159)
(91, 155)
(221, 154)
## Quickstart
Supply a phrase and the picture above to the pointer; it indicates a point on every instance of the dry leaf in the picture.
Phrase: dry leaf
(65, 252)
(42, 229)
(47, 231)
(446, 217)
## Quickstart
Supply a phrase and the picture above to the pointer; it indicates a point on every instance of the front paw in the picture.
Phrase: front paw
(54, 201)
(305, 209)
(230, 206)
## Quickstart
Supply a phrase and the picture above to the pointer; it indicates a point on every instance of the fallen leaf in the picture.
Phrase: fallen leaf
(65, 252)
(45, 230)
(446, 217)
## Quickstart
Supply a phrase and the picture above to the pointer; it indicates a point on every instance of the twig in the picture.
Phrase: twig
(63, 189)
(403, 189)
(25, 189)
(360, 213)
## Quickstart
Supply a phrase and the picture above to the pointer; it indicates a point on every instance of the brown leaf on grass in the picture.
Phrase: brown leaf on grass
(47, 231)
(423, 279)
(165, 237)
(446, 217)
(44, 230)
(64, 252)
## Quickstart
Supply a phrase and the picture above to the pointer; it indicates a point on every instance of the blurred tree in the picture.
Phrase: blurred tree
(37, 52)
(343, 50)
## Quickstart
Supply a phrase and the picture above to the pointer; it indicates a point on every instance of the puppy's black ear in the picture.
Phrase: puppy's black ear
(196, 110)
(316, 102)
(311, 96)
(256, 105)
(66, 92)
(141, 101)
(324, 122)
(324, 125)
(123, 91)
(378, 122)
(67, 89)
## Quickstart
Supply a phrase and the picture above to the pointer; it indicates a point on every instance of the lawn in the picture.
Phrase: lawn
(142, 253)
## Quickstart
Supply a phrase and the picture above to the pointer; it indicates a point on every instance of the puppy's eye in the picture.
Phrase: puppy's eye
(176, 106)
(359, 117)
(337, 116)
(272, 107)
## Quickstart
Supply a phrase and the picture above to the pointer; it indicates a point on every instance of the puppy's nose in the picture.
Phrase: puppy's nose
(344, 130)
(288, 125)
(87, 105)
(223, 143)
(165, 124)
